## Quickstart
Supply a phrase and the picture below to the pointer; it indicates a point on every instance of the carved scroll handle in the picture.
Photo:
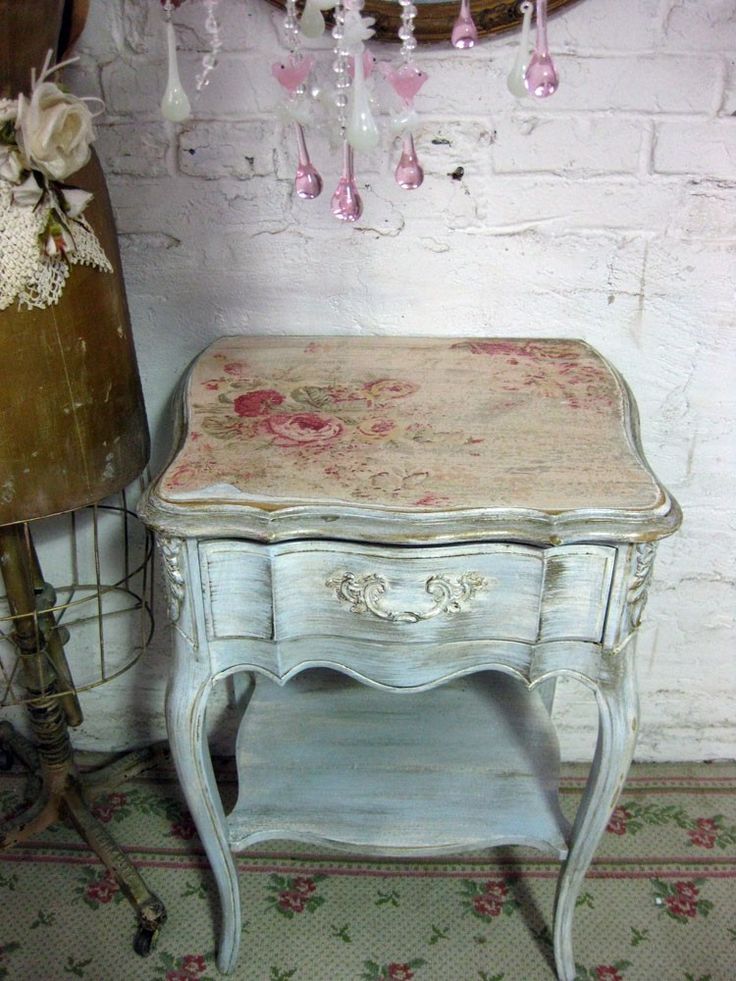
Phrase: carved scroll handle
(365, 595)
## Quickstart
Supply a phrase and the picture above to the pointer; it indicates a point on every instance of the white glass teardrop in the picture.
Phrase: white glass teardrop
(362, 131)
(515, 80)
(174, 105)
(312, 23)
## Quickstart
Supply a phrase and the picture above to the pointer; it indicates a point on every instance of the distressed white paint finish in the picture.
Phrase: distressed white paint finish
(374, 771)
(628, 239)
(458, 636)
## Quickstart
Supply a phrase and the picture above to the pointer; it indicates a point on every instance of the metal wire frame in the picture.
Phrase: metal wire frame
(84, 603)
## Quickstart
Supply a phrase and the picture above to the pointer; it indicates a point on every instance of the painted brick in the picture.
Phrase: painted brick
(636, 83)
(694, 25)
(556, 144)
(134, 149)
(234, 149)
(704, 149)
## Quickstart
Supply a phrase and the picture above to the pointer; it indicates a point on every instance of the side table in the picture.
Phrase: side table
(461, 521)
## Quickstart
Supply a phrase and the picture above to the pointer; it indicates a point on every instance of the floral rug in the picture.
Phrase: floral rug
(659, 902)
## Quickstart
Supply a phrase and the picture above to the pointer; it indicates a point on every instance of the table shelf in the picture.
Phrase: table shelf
(472, 764)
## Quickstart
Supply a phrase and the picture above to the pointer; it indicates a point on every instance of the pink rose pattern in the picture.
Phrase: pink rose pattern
(291, 895)
(682, 901)
(487, 900)
(342, 418)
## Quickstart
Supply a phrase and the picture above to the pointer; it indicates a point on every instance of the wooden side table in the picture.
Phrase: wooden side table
(465, 520)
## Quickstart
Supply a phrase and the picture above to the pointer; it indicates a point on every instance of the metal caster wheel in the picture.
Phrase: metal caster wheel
(144, 941)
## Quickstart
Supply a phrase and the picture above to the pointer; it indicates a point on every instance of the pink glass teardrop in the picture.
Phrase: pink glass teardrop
(307, 183)
(409, 173)
(541, 77)
(464, 31)
(346, 203)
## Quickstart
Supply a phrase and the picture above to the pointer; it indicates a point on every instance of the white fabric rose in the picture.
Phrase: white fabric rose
(11, 165)
(54, 130)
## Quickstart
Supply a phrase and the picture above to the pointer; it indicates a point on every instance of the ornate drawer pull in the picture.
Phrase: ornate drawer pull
(365, 593)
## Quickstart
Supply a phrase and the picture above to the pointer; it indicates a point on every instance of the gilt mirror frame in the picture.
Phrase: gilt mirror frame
(434, 21)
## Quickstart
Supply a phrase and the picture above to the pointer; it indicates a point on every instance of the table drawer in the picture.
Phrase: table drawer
(453, 593)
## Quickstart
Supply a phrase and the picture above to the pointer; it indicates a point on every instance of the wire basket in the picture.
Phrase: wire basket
(97, 591)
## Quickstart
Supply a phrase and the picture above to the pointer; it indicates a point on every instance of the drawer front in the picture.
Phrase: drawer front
(236, 588)
(444, 594)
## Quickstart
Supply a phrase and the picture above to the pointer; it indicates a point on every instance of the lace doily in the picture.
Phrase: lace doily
(27, 273)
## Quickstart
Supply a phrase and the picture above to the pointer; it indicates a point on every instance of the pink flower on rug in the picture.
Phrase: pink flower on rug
(178, 975)
(293, 901)
(257, 403)
(608, 973)
(617, 822)
(705, 834)
(103, 890)
(495, 889)
(687, 891)
(193, 964)
(301, 429)
(400, 972)
(303, 885)
(487, 905)
(680, 906)
(183, 828)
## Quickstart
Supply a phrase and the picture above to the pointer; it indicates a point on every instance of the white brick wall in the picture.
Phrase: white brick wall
(606, 213)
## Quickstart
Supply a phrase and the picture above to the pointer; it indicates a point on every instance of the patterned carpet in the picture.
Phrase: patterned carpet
(659, 902)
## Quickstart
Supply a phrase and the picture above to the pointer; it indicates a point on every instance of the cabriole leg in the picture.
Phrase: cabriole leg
(186, 702)
(617, 731)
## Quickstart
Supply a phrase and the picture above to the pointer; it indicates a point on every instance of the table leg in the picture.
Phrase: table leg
(617, 731)
(186, 701)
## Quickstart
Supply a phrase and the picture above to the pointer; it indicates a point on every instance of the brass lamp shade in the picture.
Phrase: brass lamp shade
(72, 420)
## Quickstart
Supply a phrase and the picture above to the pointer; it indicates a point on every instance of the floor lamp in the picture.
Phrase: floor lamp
(72, 432)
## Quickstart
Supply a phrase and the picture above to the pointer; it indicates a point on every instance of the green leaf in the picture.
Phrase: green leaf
(638, 936)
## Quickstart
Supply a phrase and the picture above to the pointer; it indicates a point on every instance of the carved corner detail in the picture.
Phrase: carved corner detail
(365, 595)
(638, 591)
(171, 555)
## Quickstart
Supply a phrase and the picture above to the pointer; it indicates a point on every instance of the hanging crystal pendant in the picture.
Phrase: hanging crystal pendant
(362, 131)
(464, 31)
(541, 77)
(307, 183)
(175, 105)
(516, 78)
(346, 202)
(409, 173)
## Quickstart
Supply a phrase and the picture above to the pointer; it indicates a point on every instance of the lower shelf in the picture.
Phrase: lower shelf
(471, 764)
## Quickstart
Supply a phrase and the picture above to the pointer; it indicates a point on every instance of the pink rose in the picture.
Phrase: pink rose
(702, 839)
(183, 828)
(495, 888)
(608, 974)
(302, 428)
(679, 906)
(193, 964)
(376, 428)
(487, 905)
(400, 972)
(389, 388)
(103, 890)
(257, 403)
(293, 901)
(617, 822)
(303, 885)
(687, 890)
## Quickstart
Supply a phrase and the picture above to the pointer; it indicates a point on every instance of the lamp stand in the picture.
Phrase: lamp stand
(61, 792)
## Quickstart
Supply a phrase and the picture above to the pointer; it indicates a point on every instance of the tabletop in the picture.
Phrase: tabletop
(412, 427)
